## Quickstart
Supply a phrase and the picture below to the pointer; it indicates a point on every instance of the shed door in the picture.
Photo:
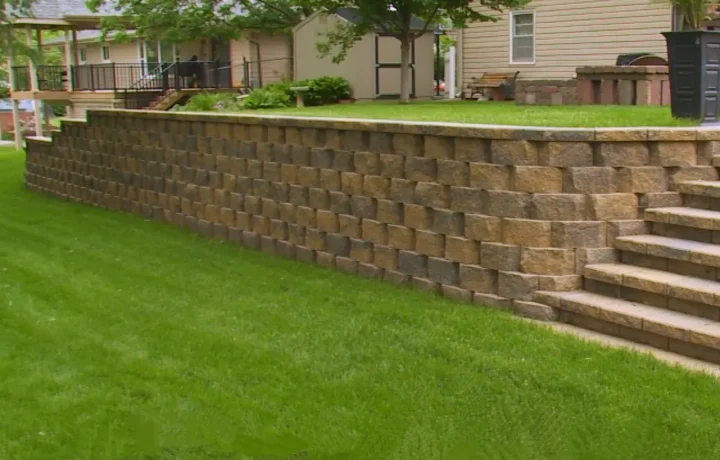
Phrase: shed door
(387, 67)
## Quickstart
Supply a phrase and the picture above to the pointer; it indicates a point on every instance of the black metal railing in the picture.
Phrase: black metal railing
(21, 77)
(52, 77)
(168, 77)
(106, 77)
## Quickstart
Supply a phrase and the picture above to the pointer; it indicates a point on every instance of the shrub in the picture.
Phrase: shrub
(327, 90)
(211, 102)
(270, 97)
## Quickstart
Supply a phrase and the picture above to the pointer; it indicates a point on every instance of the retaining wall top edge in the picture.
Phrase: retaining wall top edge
(500, 132)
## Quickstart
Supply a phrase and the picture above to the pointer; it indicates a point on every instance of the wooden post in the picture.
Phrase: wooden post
(14, 102)
(68, 62)
(34, 85)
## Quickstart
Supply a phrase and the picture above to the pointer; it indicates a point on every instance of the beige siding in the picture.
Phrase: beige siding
(119, 52)
(275, 57)
(359, 65)
(239, 49)
(569, 34)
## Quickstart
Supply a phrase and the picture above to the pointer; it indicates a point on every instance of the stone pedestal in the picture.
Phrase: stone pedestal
(624, 85)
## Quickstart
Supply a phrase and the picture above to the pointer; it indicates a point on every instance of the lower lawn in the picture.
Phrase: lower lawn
(127, 339)
(501, 113)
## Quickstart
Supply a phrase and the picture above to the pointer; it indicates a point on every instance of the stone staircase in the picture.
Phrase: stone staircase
(664, 291)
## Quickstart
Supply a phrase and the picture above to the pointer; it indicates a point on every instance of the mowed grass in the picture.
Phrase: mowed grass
(499, 113)
(127, 339)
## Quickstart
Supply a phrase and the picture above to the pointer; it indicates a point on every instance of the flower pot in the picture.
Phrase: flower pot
(694, 57)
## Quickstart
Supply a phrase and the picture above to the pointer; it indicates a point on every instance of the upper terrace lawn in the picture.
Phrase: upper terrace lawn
(125, 339)
(500, 113)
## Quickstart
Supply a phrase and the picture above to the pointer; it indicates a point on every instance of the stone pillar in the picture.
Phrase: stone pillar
(34, 84)
(586, 93)
(14, 102)
(626, 92)
(68, 61)
(608, 92)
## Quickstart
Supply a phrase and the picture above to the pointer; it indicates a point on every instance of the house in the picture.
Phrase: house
(549, 39)
(136, 74)
(372, 65)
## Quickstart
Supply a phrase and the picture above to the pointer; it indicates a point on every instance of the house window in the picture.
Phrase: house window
(105, 53)
(522, 37)
(82, 55)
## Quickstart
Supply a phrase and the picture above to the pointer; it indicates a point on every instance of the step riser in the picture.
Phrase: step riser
(664, 343)
(670, 265)
(686, 233)
(653, 299)
(701, 202)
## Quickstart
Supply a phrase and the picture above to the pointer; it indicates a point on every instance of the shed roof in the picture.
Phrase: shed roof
(352, 15)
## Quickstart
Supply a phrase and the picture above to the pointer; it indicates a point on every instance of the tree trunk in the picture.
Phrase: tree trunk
(405, 84)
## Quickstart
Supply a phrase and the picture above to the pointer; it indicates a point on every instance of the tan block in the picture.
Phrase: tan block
(566, 154)
(374, 231)
(439, 147)
(408, 144)
(558, 206)
(351, 183)
(560, 283)
(498, 256)
(492, 300)
(432, 195)
(349, 226)
(673, 153)
(623, 154)
(346, 265)
(614, 206)
(590, 180)
(376, 187)
(593, 256)
(452, 172)
(534, 310)
(547, 261)
(315, 239)
(483, 228)
(305, 217)
(467, 199)
(587, 234)
(520, 286)
(417, 217)
(642, 179)
(525, 232)
(472, 149)
(625, 228)
(515, 153)
(456, 293)
(508, 204)
(327, 221)
(538, 179)
(389, 212)
(402, 190)
(425, 285)
(401, 237)
(708, 173)
(385, 257)
(367, 163)
(329, 179)
(308, 177)
(490, 176)
(462, 250)
(478, 279)
(429, 243)
(361, 251)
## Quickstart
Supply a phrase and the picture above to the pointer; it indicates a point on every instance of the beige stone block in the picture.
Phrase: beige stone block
(625, 228)
(560, 283)
(483, 228)
(526, 232)
(534, 310)
(548, 261)
(538, 179)
(588, 234)
(558, 206)
(613, 206)
(490, 176)
(673, 153)
(508, 204)
(517, 286)
(513, 153)
(478, 279)
(590, 180)
(566, 154)
(462, 250)
(622, 154)
(498, 256)
(644, 179)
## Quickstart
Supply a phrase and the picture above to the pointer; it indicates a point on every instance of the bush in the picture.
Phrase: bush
(327, 90)
(211, 102)
(270, 97)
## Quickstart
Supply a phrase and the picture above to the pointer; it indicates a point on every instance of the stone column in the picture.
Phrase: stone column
(14, 102)
(34, 84)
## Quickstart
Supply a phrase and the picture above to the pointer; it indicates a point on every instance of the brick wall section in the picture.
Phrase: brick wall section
(477, 213)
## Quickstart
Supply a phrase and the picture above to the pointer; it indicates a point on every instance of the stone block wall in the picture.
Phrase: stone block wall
(476, 213)
(546, 92)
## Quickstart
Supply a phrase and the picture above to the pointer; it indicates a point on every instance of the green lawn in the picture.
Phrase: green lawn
(127, 339)
(500, 113)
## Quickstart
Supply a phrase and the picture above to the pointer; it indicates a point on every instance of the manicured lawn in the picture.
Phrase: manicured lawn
(127, 339)
(500, 113)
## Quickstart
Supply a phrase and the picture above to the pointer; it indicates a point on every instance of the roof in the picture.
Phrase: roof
(352, 15)
(84, 36)
(59, 9)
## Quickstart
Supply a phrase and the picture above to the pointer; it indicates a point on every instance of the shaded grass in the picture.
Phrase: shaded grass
(501, 113)
(127, 339)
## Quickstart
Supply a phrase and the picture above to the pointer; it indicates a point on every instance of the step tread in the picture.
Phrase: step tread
(671, 248)
(680, 326)
(688, 217)
(709, 188)
(657, 281)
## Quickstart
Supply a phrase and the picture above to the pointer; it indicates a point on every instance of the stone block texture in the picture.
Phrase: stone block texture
(474, 213)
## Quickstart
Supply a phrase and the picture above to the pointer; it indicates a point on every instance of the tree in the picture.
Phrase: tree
(176, 21)
(10, 10)
(395, 18)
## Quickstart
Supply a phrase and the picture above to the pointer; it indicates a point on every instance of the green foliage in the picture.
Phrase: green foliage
(58, 108)
(694, 13)
(327, 90)
(271, 97)
(211, 102)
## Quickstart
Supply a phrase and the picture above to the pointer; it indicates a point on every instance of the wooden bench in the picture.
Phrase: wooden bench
(502, 85)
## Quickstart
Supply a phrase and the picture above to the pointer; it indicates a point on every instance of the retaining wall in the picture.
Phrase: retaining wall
(490, 214)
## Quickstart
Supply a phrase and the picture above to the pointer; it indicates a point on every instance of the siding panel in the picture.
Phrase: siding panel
(569, 34)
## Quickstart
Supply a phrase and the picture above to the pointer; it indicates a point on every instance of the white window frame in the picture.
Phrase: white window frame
(103, 46)
(82, 50)
(512, 36)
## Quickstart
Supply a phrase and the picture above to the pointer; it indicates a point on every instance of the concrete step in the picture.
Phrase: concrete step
(657, 283)
(669, 330)
(687, 217)
(708, 188)
(716, 160)
(671, 248)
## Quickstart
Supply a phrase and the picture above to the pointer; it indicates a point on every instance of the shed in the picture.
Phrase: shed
(372, 65)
